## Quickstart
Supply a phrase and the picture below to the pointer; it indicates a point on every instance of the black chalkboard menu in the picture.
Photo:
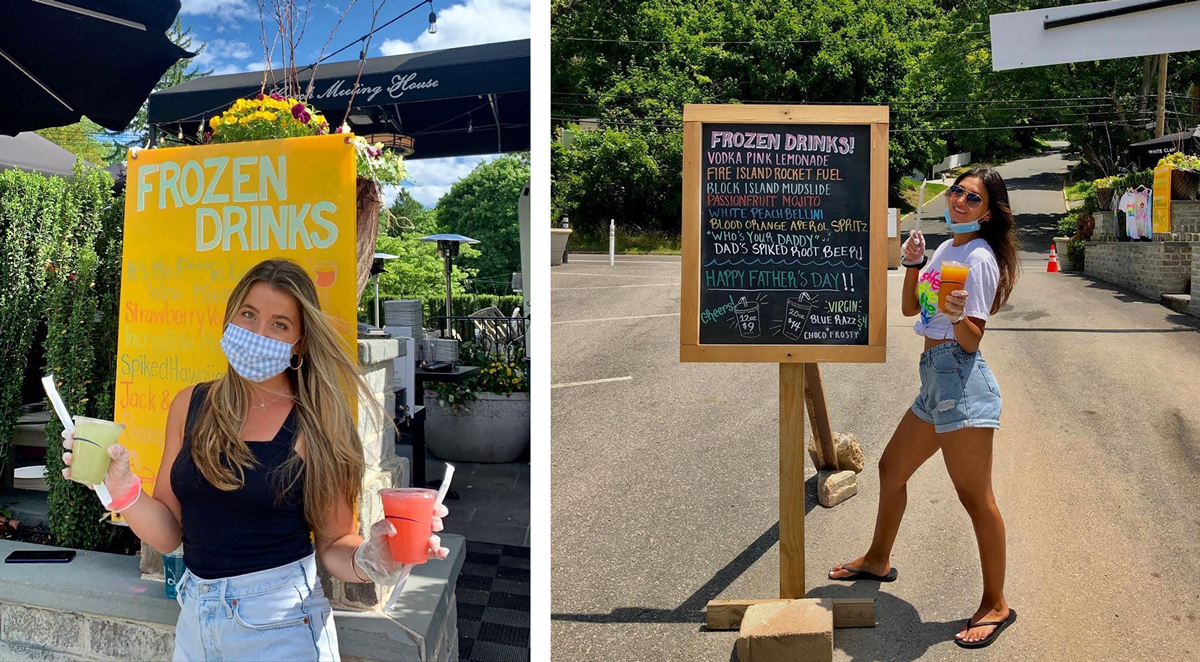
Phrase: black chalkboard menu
(784, 234)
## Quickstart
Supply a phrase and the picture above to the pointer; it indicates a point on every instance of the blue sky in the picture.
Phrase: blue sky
(232, 32)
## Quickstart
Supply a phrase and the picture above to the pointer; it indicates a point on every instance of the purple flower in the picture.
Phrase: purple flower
(276, 96)
(301, 113)
(339, 130)
(259, 97)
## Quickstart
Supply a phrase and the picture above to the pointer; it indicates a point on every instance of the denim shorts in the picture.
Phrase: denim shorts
(958, 390)
(277, 614)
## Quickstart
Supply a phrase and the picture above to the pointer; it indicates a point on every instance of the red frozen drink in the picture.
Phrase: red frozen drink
(410, 510)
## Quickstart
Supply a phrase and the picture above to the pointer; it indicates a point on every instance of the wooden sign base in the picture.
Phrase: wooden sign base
(793, 397)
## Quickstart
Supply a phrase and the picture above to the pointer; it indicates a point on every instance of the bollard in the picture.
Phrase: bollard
(612, 242)
(566, 224)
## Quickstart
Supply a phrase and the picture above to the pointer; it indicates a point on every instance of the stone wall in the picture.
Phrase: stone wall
(36, 633)
(1151, 269)
(1194, 304)
(1185, 217)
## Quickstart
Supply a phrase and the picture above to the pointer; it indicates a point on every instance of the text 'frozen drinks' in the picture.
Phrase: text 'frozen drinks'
(242, 198)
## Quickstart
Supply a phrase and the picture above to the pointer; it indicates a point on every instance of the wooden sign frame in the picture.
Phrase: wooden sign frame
(694, 117)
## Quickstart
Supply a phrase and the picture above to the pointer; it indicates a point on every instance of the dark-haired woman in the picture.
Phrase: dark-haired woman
(958, 407)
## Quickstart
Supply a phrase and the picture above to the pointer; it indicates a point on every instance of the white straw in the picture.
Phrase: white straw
(404, 571)
(59, 407)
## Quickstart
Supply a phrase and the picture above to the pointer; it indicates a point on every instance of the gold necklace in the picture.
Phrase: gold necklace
(277, 399)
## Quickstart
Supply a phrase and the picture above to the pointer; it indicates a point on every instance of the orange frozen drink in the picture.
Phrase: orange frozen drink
(954, 277)
(410, 510)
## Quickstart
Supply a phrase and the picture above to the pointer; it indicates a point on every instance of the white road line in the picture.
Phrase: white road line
(676, 262)
(614, 319)
(594, 381)
(580, 273)
(609, 287)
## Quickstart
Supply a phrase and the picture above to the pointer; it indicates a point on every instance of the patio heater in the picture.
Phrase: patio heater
(447, 245)
(376, 269)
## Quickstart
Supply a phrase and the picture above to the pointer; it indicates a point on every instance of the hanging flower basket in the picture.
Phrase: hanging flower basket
(367, 195)
(1184, 184)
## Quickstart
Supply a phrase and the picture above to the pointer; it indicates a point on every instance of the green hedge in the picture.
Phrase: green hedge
(61, 264)
(465, 304)
(30, 208)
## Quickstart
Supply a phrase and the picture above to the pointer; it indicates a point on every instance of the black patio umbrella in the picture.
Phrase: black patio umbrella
(62, 59)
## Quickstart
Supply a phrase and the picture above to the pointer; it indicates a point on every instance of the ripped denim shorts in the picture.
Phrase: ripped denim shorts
(958, 390)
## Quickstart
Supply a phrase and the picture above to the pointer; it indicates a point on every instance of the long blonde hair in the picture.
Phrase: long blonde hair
(325, 384)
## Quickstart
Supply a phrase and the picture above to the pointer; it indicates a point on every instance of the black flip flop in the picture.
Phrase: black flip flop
(863, 574)
(987, 641)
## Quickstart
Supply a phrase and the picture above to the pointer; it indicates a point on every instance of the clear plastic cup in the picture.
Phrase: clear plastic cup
(410, 510)
(954, 277)
(89, 454)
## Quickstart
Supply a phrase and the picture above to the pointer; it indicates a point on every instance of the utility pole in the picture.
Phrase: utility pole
(1194, 93)
(1160, 122)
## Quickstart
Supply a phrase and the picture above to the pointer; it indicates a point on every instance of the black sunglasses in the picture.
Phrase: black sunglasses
(973, 199)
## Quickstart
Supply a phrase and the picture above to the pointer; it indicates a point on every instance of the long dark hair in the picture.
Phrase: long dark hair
(997, 231)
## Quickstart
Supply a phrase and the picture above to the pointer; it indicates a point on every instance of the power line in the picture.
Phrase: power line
(723, 42)
(673, 124)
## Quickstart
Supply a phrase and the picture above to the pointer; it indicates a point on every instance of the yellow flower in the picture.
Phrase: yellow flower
(269, 116)
(231, 120)
(214, 122)
(245, 121)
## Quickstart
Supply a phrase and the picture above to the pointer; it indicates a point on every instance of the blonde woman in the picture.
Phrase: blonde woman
(257, 465)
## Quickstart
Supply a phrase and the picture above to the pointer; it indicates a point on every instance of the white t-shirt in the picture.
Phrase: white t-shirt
(982, 281)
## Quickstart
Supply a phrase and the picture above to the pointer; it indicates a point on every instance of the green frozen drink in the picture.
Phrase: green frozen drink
(89, 454)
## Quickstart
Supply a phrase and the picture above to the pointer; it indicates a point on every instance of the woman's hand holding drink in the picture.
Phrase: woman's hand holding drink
(117, 477)
(389, 548)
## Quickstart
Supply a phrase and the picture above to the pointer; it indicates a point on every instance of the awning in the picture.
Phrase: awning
(33, 153)
(1148, 152)
(452, 102)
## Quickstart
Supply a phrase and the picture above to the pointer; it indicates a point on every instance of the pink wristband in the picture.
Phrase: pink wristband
(128, 499)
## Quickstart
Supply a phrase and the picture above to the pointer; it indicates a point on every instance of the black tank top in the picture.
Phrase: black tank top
(246, 530)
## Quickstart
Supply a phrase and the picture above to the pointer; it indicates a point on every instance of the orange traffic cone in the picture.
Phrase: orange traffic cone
(1052, 266)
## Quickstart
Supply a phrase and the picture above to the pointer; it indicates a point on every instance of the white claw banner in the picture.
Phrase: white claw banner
(1094, 31)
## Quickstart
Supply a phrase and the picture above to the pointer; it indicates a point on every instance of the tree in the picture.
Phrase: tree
(138, 131)
(407, 216)
(80, 139)
(483, 206)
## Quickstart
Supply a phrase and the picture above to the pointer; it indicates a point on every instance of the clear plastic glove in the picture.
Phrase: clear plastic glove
(914, 248)
(374, 557)
(119, 479)
(956, 304)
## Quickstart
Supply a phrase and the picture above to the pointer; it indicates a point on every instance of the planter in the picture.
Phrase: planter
(558, 244)
(1104, 197)
(1184, 184)
(496, 429)
(1060, 249)
(369, 202)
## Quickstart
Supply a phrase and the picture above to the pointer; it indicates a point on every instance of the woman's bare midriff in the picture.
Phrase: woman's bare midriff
(930, 343)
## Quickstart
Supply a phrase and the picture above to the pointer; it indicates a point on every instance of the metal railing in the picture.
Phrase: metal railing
(495, 334)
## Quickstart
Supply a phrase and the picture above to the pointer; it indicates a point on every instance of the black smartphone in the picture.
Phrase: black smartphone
(41, 556)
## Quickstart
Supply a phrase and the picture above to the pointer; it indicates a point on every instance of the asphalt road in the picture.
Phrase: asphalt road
(665, 488)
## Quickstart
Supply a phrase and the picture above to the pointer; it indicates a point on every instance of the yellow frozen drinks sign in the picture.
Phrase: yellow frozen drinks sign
(196, 220)
(1161, 200)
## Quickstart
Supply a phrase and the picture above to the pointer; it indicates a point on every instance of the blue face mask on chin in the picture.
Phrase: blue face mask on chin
(959, 228)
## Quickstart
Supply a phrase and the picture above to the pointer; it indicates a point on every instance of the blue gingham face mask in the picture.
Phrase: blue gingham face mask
(254, 357)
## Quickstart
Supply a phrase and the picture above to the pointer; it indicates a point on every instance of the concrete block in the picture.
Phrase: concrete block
(379, 376)
(57, 630)
(130, 641)
(787, 631)
(849, 452)
(377, 351)
(151, 564)
(835, 487)
(11, 652)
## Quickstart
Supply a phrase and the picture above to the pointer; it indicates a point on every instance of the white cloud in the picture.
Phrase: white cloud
(332, 8)
(216, 51)
(475, 22)
(222, 56)
(223, 9)
(430, 179)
